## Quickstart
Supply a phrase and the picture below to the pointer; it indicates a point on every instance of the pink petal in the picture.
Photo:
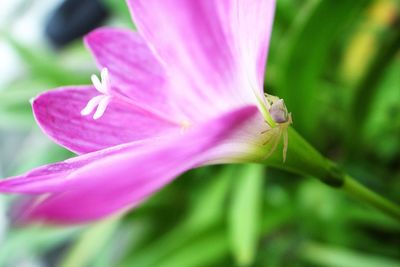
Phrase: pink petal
(58, 114)
(101, 183)
(51, 178)
(245, 144)
(217, 47)
(133, 69)
(252, 22)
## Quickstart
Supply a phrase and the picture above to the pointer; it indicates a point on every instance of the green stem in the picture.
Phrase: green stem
(303, 159)
(360, 192)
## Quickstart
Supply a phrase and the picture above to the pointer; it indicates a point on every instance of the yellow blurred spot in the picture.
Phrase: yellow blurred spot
(365, 42)
(185, 124)
(383, 12)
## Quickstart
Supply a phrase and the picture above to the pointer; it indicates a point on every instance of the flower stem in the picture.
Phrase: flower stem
(360, 192)
(302, 158)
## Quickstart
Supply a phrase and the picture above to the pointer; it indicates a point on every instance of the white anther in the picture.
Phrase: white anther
(99, 102)
(101, 108)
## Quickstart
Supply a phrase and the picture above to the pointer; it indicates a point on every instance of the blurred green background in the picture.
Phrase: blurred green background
(336, 64)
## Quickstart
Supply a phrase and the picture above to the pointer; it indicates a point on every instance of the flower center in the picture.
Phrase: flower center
(99, 102)
(277, 109)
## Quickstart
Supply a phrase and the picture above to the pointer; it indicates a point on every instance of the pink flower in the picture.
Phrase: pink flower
(184, 91)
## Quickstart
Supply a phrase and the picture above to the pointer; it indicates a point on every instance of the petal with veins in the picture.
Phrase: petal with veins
(193, 54)
(103, 182)
(133, 68)
(217, 47)
(58, 114)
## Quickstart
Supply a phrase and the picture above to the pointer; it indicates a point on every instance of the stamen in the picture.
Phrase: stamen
(100, 101)
(97, 84)
(91, 105)
(105, 80)
(101, 108)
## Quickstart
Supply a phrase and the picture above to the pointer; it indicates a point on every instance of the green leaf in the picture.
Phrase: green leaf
(304, 55)
(91, 242)
(245, 213)
(367, 88)
(15, 109)
(205, 251)
(328, 256)
(44, 66)
(32, 241)
(214, 195)
(382, 126)
(199, 219)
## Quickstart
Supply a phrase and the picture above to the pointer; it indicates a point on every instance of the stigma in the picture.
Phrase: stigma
(99, 103)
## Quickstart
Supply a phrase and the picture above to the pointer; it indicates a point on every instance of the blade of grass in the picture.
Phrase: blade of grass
(205, 251)
(245, 213)
(200, 218)
(91, 242)
(303, 58)
(365, 91)
(44, 66)
(329, 256)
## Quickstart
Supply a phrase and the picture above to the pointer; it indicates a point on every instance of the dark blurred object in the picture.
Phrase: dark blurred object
(73, 19)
